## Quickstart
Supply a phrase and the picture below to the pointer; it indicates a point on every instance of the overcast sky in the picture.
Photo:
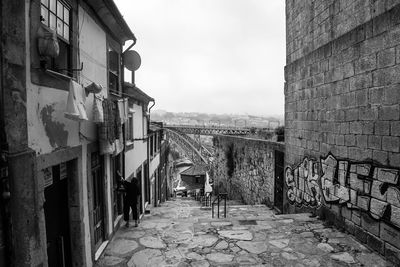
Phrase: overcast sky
(211, 56)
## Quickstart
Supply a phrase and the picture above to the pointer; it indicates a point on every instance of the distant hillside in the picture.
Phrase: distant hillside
(193, 118)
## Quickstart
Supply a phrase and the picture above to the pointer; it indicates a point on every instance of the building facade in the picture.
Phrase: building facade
(158, 158)
(62, 132)
(137, 139)
(342, 116)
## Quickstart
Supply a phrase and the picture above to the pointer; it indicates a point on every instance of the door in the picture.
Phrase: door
(98, 199)
(57, 216)
(139, 178)
(117, 197)
(278, 188)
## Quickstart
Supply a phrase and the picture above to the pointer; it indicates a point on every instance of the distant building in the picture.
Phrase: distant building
(159, 164)
(194, 177)
(137, 161)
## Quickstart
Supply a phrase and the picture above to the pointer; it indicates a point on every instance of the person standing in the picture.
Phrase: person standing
(132, 193)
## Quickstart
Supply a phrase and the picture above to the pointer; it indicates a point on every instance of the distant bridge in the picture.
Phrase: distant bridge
(193, 146)
(209, 130)
(189, 146)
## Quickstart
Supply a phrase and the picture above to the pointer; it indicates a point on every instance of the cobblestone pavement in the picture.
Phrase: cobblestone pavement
(179, 233)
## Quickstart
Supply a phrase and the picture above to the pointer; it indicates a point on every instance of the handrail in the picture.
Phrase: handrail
(218, 199)
(205, 199)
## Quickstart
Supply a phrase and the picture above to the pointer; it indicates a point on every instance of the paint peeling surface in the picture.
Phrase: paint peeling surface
(55, 131)
(359, 186)
(48, 129)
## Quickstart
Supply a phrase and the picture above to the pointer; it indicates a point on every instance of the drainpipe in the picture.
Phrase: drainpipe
(123, 81)
(154, 102)
(148, 149)
(129, 47)
(4, 182)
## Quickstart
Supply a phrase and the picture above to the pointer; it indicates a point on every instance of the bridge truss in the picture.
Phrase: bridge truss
(188, 145)
(209, 130)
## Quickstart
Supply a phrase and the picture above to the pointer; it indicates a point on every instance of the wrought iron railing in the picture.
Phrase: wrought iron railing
(221, 196)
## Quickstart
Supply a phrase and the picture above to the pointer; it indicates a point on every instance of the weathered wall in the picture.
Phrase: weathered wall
(135, 157)
(245, 168)
(311, 24)
(342, 116)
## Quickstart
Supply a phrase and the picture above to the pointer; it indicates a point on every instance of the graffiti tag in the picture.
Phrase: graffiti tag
(302, 182)
(358, 185)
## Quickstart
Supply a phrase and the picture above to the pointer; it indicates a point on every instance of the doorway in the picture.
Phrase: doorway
(116, 173)
(278, 188)
(98, 199)
(56, 210)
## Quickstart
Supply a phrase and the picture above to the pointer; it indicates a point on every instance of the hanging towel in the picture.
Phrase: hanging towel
(117, 120)
(106, 147)
(76, 102)
(119, 144)
(107, 128)
(121, 110)
(94, 88)
(207, 186)
(126, 108)
(98, 115)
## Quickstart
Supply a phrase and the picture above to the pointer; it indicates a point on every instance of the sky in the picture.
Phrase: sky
(210, 56)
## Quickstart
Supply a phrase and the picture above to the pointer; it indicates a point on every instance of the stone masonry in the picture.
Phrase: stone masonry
(244, 167)
(342, 95)
(180, 233)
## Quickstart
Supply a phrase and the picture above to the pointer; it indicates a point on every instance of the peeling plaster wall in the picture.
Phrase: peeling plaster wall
(48, 129)
(245, 168)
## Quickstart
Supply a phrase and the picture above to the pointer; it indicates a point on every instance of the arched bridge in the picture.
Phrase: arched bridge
(209, 130)
(188, 145)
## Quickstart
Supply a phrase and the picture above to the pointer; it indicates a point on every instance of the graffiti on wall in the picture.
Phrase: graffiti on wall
(358, 185)
(303, 185)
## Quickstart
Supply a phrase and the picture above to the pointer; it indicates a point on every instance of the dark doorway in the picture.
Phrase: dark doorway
(139, 177)
(57, 216)
(147, 186)
(278, 188)
(98, 198)
(116, 171)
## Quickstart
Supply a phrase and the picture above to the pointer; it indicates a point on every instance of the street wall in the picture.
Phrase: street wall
(342, 128)
(244, 168)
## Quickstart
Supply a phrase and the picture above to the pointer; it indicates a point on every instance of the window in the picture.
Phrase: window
(113, 70)
(55, 14)
(129, 131)
(151, 146)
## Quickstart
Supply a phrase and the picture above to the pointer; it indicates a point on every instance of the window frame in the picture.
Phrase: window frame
(65, 22)
(116, 74)
(63, 37)
(130, 131)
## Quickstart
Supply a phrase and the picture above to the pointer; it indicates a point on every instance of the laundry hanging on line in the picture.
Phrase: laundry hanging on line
(76, 109)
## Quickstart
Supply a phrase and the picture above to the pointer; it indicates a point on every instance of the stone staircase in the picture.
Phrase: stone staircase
(180, 233)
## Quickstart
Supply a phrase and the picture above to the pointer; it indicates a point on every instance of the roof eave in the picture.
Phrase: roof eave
(109, 14)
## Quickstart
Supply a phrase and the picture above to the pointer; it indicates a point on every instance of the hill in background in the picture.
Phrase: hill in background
(194, 118)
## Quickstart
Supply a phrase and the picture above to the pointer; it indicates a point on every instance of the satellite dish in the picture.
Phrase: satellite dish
(132, 60)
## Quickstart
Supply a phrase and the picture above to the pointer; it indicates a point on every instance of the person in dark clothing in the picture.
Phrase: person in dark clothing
(131, 195)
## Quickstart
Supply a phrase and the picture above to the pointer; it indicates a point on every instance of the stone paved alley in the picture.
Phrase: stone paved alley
(180, 233)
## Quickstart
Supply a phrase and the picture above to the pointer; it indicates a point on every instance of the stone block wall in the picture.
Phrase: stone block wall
(311, 24)
(342, 116)
(244, 168)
